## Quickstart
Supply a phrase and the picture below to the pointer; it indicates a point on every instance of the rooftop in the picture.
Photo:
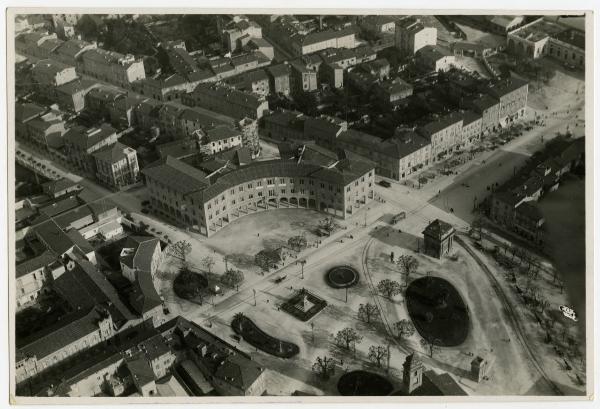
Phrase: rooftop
(438, 229)
(113, 153)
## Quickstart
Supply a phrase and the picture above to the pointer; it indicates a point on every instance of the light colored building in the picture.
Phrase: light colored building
(512, 94)
(392, 91)
(81, 143)
(302, 78)
(411, 35)
(47, 131)
(113, 67)
(50, 74)
(434, 58)
(488, 107)
(263, 46)
(285, 125)
(227, 101)
(31, 278)
(187, 196)
(116, 165)
(219, 138)
(472, 127)
(238, 33)
(321, 40)
(71, 96)
(445, 135)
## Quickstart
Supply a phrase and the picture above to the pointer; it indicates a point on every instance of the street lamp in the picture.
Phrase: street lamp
(312, 330)
(302, 263)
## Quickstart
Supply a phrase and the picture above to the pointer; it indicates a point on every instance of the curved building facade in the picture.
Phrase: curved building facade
(207, 203)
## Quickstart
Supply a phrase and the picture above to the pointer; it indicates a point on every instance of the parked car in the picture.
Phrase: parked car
(384, 183)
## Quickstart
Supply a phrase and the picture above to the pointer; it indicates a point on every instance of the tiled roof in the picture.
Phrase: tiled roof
(279, 70)
(140, 370)
(144, 297)
(506, 86)
(469, 117)
(222, 132)
(112, 153)
(60, 206)
(320, 36)
(82, 324)
(73, 47)
(78, 85)
(87, 138)
(27, 111)
(65, 220)
(44, 259)
(176, 174)
(484, 102)
(58, 185)
(440, 124)
(438, 229)
(54, 237)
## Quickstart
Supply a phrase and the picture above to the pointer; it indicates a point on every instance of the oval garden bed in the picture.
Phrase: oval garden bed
(363, 383)
(256, 337)
(437, 311)
(188, 285)
(342, 277)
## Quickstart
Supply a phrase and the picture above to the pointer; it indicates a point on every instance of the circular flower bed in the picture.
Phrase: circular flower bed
(438, 311)
(342, 277)
(256, 337)
(363, 383)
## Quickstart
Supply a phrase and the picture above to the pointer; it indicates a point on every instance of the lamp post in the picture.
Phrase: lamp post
(254, 292)
(302, 263)
(312, 330)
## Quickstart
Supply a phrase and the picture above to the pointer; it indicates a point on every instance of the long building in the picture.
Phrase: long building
(113, 67)
(228, 101)
(208, 202)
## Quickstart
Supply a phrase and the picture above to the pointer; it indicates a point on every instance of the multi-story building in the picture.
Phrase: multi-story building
(29, 43)
(472, 127)
(60, 187)
(285, 125)
(379, 24)
(302, 78)
(239, 32)
(435, 58)
(488, 107)
(512, 94)
(262, 45)
(47, 130)
(85, 328)
(321, 40)
(189, 120)
(392, 91)
(254, 81)
(113, 67)
(71, 51)
(219, 138)
(81, 143)
(49, 74)
(228, 101)
(332, 74)
(31, 279)
(100, 98)
(279, 76)
(187, 196)
(25, 112)
(116, 165)
(71, 96)
(445, 134)
(412, 35)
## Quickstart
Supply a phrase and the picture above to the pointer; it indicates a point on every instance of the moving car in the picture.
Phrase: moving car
(384, 183)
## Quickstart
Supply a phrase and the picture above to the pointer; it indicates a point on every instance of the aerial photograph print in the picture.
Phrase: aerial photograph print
(386, 206)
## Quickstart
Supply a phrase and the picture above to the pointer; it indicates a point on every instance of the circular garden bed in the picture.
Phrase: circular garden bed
(188, 285)
(437, 311)
(363, 383)
(256, 337)
(342, 277)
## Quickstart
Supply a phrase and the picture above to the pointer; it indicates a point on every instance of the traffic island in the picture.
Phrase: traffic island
(304, 305)
(363, 383)
(342, 277)
(256, 337)
(437, 311)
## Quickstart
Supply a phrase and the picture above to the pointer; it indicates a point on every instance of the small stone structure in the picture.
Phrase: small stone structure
(438, 238)
(479, 367)
(412, 375)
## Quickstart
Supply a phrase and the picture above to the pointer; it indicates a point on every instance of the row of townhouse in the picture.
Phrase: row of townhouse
(411, 150)
(514, 205)
(227, 100)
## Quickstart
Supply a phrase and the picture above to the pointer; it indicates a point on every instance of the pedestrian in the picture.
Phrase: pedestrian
(257, 234)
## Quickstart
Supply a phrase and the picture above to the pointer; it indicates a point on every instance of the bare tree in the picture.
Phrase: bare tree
(389, 288)
(430, 345)
(404, 328)
(409, 264)
(208, 262)
(377, 353)
(367, 312)
(324, 367)
(180, 249)
(226, 259)
(346, 337)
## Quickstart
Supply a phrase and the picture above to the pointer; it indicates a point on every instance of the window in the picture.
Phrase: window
(241, 188)
(232, 191)
(322, 185)
(270, 181)
(301, 181)
(259, 183)
(282, 180)
(249, 185)
(348, 189)
(283, 191)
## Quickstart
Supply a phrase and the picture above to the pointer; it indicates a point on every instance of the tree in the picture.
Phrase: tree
(297, 242)
(180, 249)
(367, 312)
(265, 259)
(377, 353)
(232, 279)
(409, 264)
(208, 262)
(430, 345)
(389, 288)
(346, 337)
(226, 259)
(327, 224)
(324, 367)
(404, 328)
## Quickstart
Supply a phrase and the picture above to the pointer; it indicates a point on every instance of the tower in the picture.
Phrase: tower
(412, 376)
